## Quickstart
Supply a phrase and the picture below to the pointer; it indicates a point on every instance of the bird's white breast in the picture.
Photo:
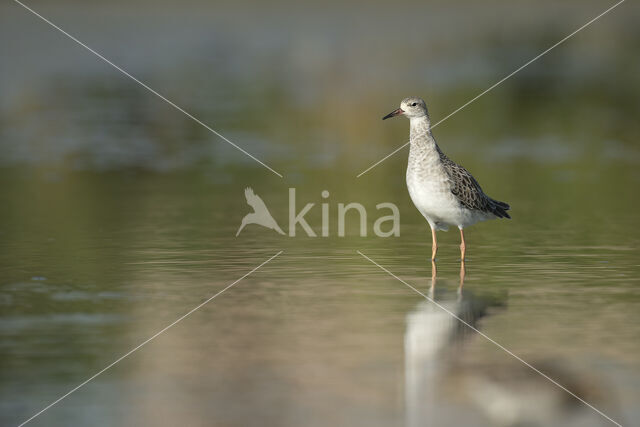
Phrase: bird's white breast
(430, 188)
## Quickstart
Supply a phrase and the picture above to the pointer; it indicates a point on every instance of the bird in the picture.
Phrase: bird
(445, 193)
(260, 214)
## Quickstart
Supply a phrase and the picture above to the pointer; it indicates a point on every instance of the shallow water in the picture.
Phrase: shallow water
(316, 335)
(119, 216)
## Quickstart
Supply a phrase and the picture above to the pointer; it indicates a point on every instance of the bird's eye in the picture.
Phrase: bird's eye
(414, 104)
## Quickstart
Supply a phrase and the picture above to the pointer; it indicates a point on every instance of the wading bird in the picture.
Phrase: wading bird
(443, 191)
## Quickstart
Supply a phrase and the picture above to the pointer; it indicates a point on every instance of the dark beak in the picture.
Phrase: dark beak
(393, 113)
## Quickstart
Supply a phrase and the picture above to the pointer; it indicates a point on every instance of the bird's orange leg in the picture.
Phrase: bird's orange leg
(434, 273)
(463, 245)
(434, 246)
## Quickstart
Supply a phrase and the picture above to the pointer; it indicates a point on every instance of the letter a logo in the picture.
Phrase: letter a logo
(260, 214)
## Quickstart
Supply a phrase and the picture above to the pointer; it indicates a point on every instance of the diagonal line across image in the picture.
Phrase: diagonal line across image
(499, 82)
(153, 91)
(136, 348)
(491, 340)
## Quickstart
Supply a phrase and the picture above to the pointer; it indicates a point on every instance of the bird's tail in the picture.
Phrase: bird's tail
(500, 209)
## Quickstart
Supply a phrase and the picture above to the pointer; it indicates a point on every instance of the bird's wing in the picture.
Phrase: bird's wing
(468, 192)
(254, 200)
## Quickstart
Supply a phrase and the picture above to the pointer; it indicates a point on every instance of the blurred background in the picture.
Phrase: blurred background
(118, 214)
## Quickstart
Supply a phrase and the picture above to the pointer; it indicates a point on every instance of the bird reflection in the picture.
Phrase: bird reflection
(446, 384)
(434, 276)
(428, 335)
(463, 274)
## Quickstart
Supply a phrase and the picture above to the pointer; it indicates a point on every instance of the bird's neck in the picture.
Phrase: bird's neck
(420, 129)
(420, 136)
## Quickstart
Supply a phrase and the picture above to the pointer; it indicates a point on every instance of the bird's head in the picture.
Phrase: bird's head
(412, 107)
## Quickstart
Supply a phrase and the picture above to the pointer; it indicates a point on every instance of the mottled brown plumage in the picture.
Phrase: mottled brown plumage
(467, 190)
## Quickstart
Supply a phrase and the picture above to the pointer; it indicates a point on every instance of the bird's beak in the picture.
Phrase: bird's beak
(393, 113)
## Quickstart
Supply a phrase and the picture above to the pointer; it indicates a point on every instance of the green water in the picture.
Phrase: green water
(118, 215)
